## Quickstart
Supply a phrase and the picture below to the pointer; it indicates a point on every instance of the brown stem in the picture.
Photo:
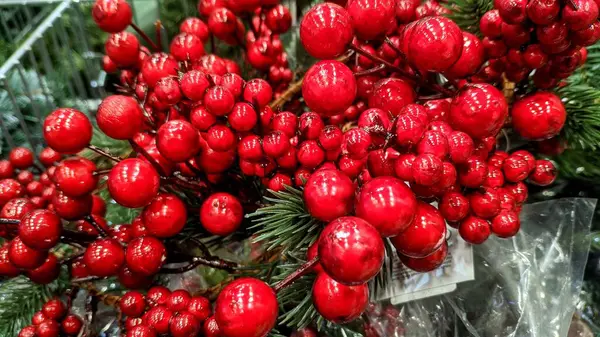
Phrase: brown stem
(197, 261)
(96, 225)
(104, 153)
(402, 72)
(574, 5)
(370, 71)
(76, 237)
(100, 172)
(148, 157)
(158, 31)
(291, 278)
(145, 37)
(393, 46)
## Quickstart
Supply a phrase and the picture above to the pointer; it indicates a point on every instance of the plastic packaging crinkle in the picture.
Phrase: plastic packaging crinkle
(526, 286)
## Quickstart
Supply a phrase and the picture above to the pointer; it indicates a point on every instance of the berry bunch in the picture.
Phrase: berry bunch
(546, 36)
(52, 321)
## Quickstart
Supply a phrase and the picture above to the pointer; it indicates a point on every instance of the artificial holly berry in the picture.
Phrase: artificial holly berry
(479, 110)
(329, 87)
(387, 204)
(485, 204)
(71, 208)
(246, 307)
(158, 317)
(425, 234)
(119, 117)
(328, 194)
(165, 216)
(132, 304)
(211, 327)
(200, 307)
(454, 206)
(326, 30)
(433, 43)
(391, 95)
(75, 177)
(221, 214)
(506, 224)
(349, 239)
(474, 230)
(104, 257)
(71, 325)
(112, 16)
(48, 328)
(370, 18)
(337, 302)
(54, 309)
(141, 331)
(184, 324)
(25, 257)
(133, 183)
(538, 116)
(544, 173)
(47, 272)
(145, 255)
(40, 229)
(428, 263)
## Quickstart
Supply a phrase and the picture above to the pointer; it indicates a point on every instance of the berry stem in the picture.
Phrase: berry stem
(4, 221)
(393, 46)
(197, 261)
(103, 153)
(100, 172)
(370, 71)
(148, 157)
(574, 5)
(145, 37)
(158, 33)
(402, 72)
(291, 278)
(93, 222)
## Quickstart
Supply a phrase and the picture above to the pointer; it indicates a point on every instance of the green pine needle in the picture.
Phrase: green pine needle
(284, 223)
(579, 165)
(582, 128)
(467, 13)
(20, 299)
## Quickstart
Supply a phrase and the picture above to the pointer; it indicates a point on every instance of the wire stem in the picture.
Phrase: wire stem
(145, 37)
(148, 157)
(370, 71)
(158, 31)
(197, 261)
(104, 153)
(291, 278)
(96, 225)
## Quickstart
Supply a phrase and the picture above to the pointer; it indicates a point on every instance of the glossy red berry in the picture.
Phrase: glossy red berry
(506, 224)
(337, 302)
(326, 30)
(133, 280)
(184, 324)
(471, 58)
(132, 304)
(177, 140)
(54, 309)
(243, 117)
(157, 295)
(310, 154)
(48, 328)
(145, 255)
(371, 18)
(454, 206)
(7, 269)
(120, 117)
(186, 47)
(434, 143)
(200, 307)
(328, 194)
(425, 234)
(479, 110)
(221, 138)
(428, 263)
(71, 208)
(246, 307)
(473, 172)
(511, 11)
(485, 204)
(122, 48)
(580, 15)
(47, 272)
(48, 157)
(434, 43)
(178, 300)
(133, 183)
(490, 24)
(258, 92)
(427, 169)
(16, 208)
(7, 170)
(194, 84)
(104, 257)
(391, 95)
(538, 116)
(218, 101)
(25, 257)
(345, 241)
(112, 16)
(474, 230)
(28, 331)
(221, 214)
(71, 122)
(40, 229)
(544, 173)
(515, 168)
(210, 328)
(141, 331)
(165, 216)
(329, 87)
(71, 325)
(357, 143)
(158, 318)
(196, 27)
(21, 157)
(75, 177)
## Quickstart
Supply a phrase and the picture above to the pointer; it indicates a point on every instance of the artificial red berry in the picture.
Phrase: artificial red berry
(371, 18)
(45, 273)
(75, 177)
(112, 16)
(133, 183)
(16, 208)
(485, 204)
(433, 142)
(28, 331)
(157, 295)
(54, 309)
(506, 224)
(246, 307)
(71, 325)
(428, 263)
(7, 269)
(278, 19)
(391, 95)
(104, 257)
(454, 206)
(518, 192)
(221, 214)
(21, 158)
(40, 229)
(427, 169)
(471, 58)
(178, 300)
(145, 255)
(132, 304)
(479, 110)
(158, 318)
(544, 173)
(310, 154)
(515, 168)
(48, 328)
(199, 307)
(490, 24)
(177, 140)
(193, 85)
(141, 331)
(337, 302)
(326, 30)
(328, 194)
(409, 130)
(48, 157)
(211, 328)
(329, 87)
(120, 117)
(122, 48)
(186, 47)
(511, 11)
(157, 66)
(435, 43)
(474, 230)
(218, 100)
(538, 116)
(71, 208)
(258, 92)
(357, 143)
(165, 216)
(242, 117)
(184, 324)
(580, 15)
(425, 234)
(473, 172)
(25, 257)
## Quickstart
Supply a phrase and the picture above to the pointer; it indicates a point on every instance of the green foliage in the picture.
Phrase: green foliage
(283, 223)
(582, 127)
(466, 13)
(21, 298)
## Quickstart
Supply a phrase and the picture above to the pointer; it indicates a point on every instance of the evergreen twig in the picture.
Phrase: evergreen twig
(467, 13)
(582, 127)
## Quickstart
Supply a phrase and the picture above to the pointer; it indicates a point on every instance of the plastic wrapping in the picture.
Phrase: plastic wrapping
(526, 286)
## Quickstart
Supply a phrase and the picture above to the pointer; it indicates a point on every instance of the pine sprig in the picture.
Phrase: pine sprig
(284, 222)
(467, 13)
(580, 165)
(20, 299)
(582, 127)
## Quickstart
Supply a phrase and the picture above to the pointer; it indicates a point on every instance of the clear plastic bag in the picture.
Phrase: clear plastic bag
(526, 286)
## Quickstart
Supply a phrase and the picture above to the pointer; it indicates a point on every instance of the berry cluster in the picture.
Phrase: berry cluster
(546, 36)
(52, 321)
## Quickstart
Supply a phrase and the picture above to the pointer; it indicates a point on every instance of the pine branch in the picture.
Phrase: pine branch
(579, 165)
(582, 128)
(284, 223)
(21, 299)
(467, 13)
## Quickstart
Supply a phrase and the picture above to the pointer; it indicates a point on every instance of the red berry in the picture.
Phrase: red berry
(132, 280)
(40, 229)
(221, 138)
(473, 172)
(112, 16)
(433, 142)
(186, 47)
(357, 143)
(157, 295)
(242, 117)
(196, 27)
(16, 208)
(122, 48)
(211, 328)
(506, 224)
(371, 18)
(543, 12)
(28, 331)
(145, 255)
(425, 234)
(391, 95)
(38, 318)
(219, 101)
(434, 44)
(326, 30)
(48, 328)
(54, 309)
(428, 263)
(184, 325)
(278, 19)
(47, 272)
(165, 216)
(132, 304)
(7, 269)
(258, 92)
(544, 173)
(310, 154)
(454, 206)
(75, 177)
(581, 14)
(485, 204)
(141, 331)
(427, 169)
(330, 138)
(21, 158)
(158, 318)
(345, 241)
(515, 168)
(479, 110)
(104, 257)
(511, 11)
(460, 146)
(246, 307)
(403, 166)
(157, 66)
(285, 122)
(178, 300)
(534, 57)
(490, 24)
(7, 170)
(25, 257)
(387, 204)
(471, 58)
(48, 157)
(133, 183)
(409, 130)
(538, 116)
(328, 194)
(329, 87)
(120, 117)
(177, 140)
(221, 214)
(194, 84)
(199, 307)
(71, 325)
(337, 302)
(474, 230)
